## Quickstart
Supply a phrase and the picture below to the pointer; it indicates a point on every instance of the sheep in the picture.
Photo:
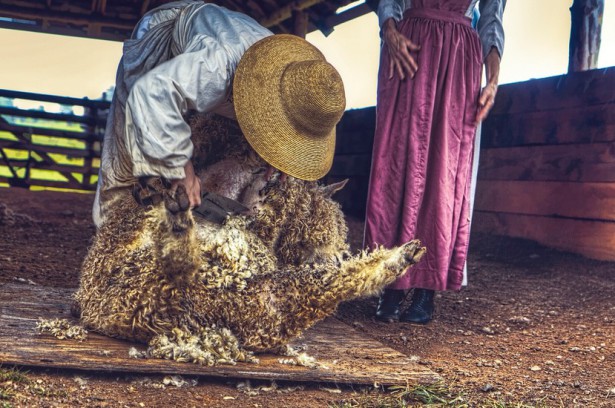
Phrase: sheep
(218, 293)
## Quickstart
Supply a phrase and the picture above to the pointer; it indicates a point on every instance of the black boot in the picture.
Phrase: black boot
(388, 305)
(421, 308)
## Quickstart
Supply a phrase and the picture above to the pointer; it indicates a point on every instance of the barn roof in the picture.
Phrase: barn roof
(115, 19)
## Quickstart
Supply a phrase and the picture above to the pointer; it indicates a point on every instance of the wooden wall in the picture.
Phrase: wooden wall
(353, 154)
(547, 166)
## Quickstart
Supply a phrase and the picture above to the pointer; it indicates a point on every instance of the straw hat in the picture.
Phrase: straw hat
(288, 100)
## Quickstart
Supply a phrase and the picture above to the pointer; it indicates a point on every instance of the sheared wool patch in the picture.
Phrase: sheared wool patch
(62, 329)
(209, 347)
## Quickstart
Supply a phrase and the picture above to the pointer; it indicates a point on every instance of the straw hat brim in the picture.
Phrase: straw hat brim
(261, 114)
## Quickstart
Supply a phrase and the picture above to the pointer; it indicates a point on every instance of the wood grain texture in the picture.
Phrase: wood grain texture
(350, 357)
(592, 239)
(594, 162)
(575, 90)
(594, 201)
(587, 124)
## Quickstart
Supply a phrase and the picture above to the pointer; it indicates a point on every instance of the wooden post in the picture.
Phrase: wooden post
(300, 23)
(585, 34)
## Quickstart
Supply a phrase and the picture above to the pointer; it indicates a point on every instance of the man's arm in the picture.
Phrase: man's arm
(158, 137)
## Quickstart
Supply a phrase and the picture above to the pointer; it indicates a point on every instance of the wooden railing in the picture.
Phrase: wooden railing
(45, 149)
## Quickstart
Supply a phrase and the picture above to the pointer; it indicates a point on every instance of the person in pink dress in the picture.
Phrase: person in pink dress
(429, 105)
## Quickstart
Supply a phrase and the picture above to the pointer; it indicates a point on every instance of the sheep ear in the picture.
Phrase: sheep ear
(331, 189)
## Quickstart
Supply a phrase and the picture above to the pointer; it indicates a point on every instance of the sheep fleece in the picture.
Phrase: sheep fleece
(256, 282)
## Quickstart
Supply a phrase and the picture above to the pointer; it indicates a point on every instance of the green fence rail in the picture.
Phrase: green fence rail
(45, 149)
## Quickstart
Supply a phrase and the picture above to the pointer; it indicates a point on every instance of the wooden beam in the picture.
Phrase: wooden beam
(43, 150)
(300, 23)
(258, 11)
(235, 5)
(51, 116)
(72, 31)
(326, 24)
(64, 169)
(144, 7)
(585, 34)
(40, 131)
(62, 100)
(286, 12)
(64, 17)
(94, 30)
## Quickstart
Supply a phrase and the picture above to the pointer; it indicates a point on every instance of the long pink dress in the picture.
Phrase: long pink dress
(425, 128)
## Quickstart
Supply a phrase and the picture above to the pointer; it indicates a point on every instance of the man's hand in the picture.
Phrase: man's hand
(399, 51)
(191, 184)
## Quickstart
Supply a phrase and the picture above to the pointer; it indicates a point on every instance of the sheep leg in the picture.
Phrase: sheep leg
(368, 274)
(310, 294)
(360, 276)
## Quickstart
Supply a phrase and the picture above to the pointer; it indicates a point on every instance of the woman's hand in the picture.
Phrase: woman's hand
(487, 95)
(486, 101)
(399, 51)
(192, 185)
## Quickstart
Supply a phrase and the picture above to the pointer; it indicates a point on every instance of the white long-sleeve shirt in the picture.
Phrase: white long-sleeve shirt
(182, 56)
(490, 28)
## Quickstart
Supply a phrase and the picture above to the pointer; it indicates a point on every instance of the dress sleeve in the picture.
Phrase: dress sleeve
(490, 28)
(391, 9)
(158, 137)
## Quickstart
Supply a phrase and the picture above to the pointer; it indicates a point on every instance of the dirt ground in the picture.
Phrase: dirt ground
(535, 327)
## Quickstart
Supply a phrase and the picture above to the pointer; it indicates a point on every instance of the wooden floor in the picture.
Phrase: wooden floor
(346, 356)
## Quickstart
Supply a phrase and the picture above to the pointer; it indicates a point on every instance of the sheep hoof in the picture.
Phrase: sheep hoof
(148, 191)
(413, 251)
(177, 205)
(177, 201)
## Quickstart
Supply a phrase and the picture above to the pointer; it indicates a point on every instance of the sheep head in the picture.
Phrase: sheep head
(298, 220)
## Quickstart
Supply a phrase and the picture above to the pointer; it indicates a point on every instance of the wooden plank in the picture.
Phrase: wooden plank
(42, 149)
(587, 124)
(594, 201)
(51, 116)
(32, 182)
(593, 162)
(33, 130)
(62, 168)
(350, 357)
(563, 91)
(62, 100)
(592, 239)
